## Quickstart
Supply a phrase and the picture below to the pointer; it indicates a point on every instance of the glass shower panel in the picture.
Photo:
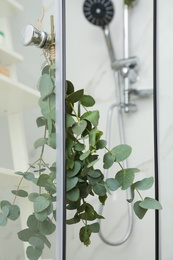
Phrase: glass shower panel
(165, 123)
(88, 67)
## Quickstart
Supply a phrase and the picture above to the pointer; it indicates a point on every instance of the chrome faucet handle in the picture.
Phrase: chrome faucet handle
(33, 37)
(142, 93)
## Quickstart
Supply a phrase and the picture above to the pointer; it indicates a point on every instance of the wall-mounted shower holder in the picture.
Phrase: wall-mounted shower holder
(129, 68)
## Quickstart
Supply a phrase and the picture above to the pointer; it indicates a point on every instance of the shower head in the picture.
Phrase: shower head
(99, 12)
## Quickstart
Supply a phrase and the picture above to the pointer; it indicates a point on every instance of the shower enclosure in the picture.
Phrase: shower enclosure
(88, 66)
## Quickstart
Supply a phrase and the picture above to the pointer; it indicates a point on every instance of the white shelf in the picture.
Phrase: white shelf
(16, 97)
(9, 7)
(9, 57)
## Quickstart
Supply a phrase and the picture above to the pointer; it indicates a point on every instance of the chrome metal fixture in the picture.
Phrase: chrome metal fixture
(33, 37)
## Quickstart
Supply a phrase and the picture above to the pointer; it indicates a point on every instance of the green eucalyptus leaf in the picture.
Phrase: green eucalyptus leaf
(150, 203)
(4, 203)
(45, 86)
(140, 212)
(144, 184)
(79, 127)
(52, 140)
(14, 212)
(45, 240)
(36, 242)
(84, 155)
(69, 87)
(94, 173)
(3, 219)
(5, 210)
(41, 216)
(87, 101)
(69, 120)
(40, 142)
(94, 181)
(20, 193)
(73, 195)
(84, 235)
(73, 220)
(102, 199)
(29, 176)
(92, 117)
(121, 152)
(41, 121)
(45, 180)
(33, 253)
(47, 106)
(19, 173)
(125, 177)
(101, 144)
(112, 184)
(108, 160)
(41, 203)
(92, 163)
(75, 96)
(33, 196)
(73, 172)
(95, 227)
(99, 189)
(47, 227)
(71, 183)
(33, 223)
(79, 147)
(25, 234)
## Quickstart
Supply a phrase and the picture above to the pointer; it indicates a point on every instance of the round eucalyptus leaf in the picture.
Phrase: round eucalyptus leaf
(47, 227)
(95, 227)
(99, 189)
(33, 196)
(71, 183)
(73, 172)
(40, 142)
(108, 160)
(41, 203)
(87, 101)
(125, 177)
(150, 203)
(92, 117)
(140, 212)
(36, 242)
(41, 216)
(73, 195)
(25, 234)
(121, 152)
(33, 253)
(29, 176)
(33, 223)
(112, 184)
(14, 212)
(4, 203)
(144, 184)
(75, 96)
(79, 127)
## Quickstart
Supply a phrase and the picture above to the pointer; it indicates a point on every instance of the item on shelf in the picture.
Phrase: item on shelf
(4, 71)
(2, 38)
